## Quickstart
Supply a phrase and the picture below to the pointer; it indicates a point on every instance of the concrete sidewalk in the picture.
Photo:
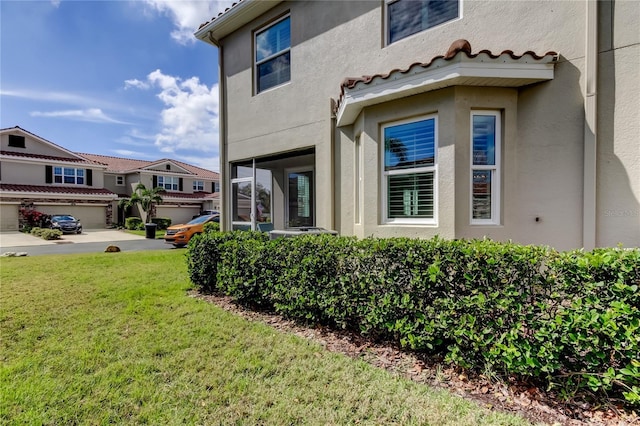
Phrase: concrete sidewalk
(19, 239)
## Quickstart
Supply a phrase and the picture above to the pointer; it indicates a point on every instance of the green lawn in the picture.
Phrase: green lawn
(143, 233)
(114, 338)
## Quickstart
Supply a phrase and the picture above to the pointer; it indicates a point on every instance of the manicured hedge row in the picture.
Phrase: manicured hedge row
(569, 319)
(134, 222)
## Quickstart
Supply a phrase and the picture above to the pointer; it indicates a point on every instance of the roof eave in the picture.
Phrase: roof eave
(463, 71)
(234, 18)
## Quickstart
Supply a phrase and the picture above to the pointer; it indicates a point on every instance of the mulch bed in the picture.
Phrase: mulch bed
(526, 400)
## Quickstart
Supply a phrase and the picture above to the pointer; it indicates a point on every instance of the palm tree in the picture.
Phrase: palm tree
(396, 147)
(146, 198)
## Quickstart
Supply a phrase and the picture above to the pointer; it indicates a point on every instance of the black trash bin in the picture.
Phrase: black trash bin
(150, 230)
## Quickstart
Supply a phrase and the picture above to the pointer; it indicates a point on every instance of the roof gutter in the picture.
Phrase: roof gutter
(241, 14)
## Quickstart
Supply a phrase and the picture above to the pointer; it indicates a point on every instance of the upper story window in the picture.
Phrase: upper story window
(407, 17)
(120, 180)
(198, 185)
(485, 167)
(68, 175)
(169, 183)
(273, 55)
(16, 141)
(409, 173)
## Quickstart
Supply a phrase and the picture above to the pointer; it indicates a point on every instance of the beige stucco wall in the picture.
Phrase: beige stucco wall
(544, 123)
(618, 167)
(33, 146)
(24, 173)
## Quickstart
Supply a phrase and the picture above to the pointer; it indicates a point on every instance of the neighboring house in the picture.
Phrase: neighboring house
(38, 174)
(463, 119)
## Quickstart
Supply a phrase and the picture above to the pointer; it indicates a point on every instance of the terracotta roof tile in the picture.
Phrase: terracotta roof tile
(122, 165)
(195, 195)
(55, 189)
(220, 14)
(460, 46)
(44, 157)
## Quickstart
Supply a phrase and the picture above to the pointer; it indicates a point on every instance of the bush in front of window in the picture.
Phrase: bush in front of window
(564, 319)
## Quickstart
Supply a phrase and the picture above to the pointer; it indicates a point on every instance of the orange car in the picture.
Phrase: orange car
(179, 235)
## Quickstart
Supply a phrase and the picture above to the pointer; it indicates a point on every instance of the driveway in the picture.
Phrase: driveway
(91, 240)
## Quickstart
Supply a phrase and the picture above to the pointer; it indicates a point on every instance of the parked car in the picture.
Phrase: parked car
(66, 223)
(206, 213)
(180, 235)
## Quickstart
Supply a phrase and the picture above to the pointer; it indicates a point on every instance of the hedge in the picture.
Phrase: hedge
(46, 233)
(567, 319)
(132, 223)
(161, 222)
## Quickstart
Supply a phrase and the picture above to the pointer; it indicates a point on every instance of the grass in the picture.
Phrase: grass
(114, 338)
(143, 233)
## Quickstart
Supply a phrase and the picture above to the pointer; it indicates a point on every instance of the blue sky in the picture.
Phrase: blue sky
(121, 78)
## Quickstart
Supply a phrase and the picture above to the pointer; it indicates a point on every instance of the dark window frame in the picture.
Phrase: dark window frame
(429, 14)
(272, 58)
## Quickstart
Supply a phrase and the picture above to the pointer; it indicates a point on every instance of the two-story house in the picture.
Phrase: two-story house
(40, 175)
(457, 118)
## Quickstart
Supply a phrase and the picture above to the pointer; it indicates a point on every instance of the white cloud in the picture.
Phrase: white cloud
(189, 119)
(43, 95)
(209, 163)
(188, 15)
(93, 115)
(128, 153)
(135, 84)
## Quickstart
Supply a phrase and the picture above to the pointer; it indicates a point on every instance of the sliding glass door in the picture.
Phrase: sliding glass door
(300, 200)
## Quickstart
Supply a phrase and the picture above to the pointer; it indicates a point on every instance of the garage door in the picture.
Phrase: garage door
(177, 214)
(9, 217)
(92, 217)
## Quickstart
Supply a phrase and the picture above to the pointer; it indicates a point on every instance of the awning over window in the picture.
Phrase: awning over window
(458, 68)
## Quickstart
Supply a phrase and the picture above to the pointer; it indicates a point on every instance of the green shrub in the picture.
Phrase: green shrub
(46, 233)
(565, 319)
(161, 222)
(212, 227)
(133, 223)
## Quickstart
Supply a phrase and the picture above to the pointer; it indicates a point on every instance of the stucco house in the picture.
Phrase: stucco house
(41, 175)
(457, 118)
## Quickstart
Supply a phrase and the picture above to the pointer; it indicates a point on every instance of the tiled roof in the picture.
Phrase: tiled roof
(115, 164)
(220, 14)
(195, 195)
(122, 165)
(55, 189)
(44, 157)
(457, 47)
(6, 129)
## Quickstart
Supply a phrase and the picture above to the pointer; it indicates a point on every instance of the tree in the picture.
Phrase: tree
(396, 147)
(145, 198)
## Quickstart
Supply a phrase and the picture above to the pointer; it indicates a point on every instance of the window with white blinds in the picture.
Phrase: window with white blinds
(485, 167)
(410, 171)
(273, 55)
(408, 17)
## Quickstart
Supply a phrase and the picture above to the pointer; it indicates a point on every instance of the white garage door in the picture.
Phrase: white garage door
(9, 217)
(177, 214)
(92, 217)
